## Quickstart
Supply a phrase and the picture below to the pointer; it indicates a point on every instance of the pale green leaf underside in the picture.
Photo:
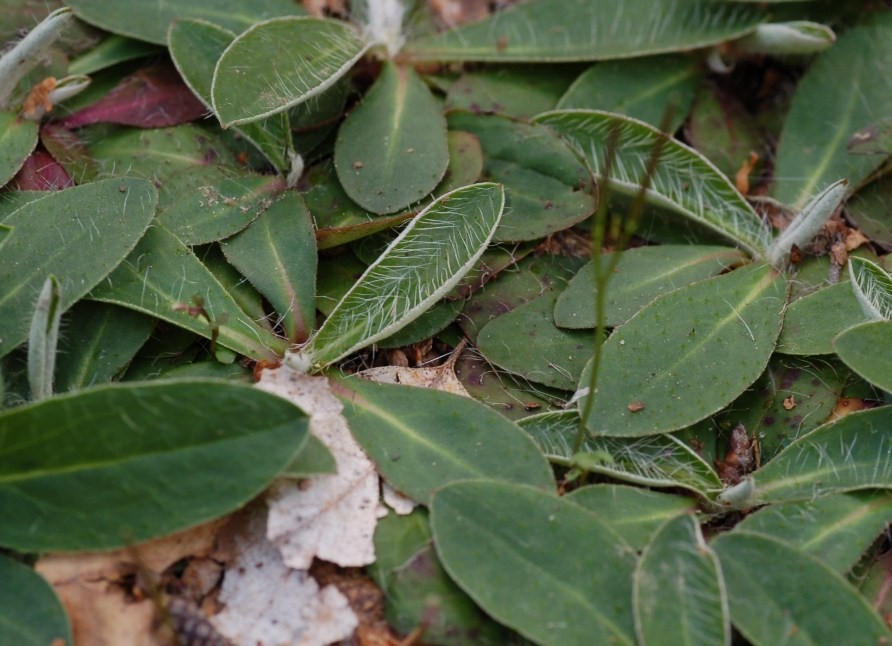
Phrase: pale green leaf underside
(419, 267)
(582, 30)
(684, 181)
(280, 63)
(852, 453)
(653, 461)
(195, 47)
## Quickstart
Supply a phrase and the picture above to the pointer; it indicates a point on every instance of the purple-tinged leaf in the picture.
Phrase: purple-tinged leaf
(153, 97)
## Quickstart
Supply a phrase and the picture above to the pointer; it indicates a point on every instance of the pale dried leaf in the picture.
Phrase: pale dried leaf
(331, 517)
(399, 503)
(267, 602)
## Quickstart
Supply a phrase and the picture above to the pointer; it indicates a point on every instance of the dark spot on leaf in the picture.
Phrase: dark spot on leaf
(769, 420)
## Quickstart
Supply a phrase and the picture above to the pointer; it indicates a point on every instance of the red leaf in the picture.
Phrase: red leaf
(41, 172)
(153, 97)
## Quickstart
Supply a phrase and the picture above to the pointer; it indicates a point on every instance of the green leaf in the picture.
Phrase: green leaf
(683, 181)
(866, 350)
(465, 161)
(112, 50)
(812, 150)
(421, 593)
(811, 322)
(138, 461)
(195, 47)
(209, 203)
(778, 595)
(162, 277)
(547, 187)
(280, 63)
(30, 612)
(869, 211)
(277, 254)
(688, 354)
(844, 455)
(579, 30)
(422, 439)
(641, 88)
(419, 267)
(314, 459)
(526, 342)
(516, 91)
(652, 461)
(836, 529)
(43, 338)
(679, 595)
(18, 137)
(391, 150)
(527, 567)
(70, 151)
(793, 397)
(156, 154)
(397, 539)
(641, 275)
(149, 20)
(722, 130)
(79, 234)
(528, 278)
(635, 513)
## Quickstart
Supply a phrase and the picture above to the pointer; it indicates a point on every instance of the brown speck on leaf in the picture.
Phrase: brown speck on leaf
(742, 178)
(790, 402)
(502, 43)
(358, 164)
(635, 407)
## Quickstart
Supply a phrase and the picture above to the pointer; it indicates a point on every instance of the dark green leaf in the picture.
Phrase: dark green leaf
(79, 235)
(116, 465)
(641, 275)
(579, 30)
(17, 139)
(30, 611)
(778, 595)
(162, 277)
(688, 354)
(811, 323)
(149, 20)
(679, 594)
(634, 512)
(422, 439)
(845, 455)
(866, 349)
(547, 187)
(836, 529)
(641, 88)
(277, 254)
(539, 564)
(392, 150)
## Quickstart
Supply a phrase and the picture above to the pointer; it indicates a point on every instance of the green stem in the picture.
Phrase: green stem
(622, 233)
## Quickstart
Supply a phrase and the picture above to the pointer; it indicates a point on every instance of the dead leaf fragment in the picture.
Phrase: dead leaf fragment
(270, 603)
(635, 407)
(333, 516)
(790, 402)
